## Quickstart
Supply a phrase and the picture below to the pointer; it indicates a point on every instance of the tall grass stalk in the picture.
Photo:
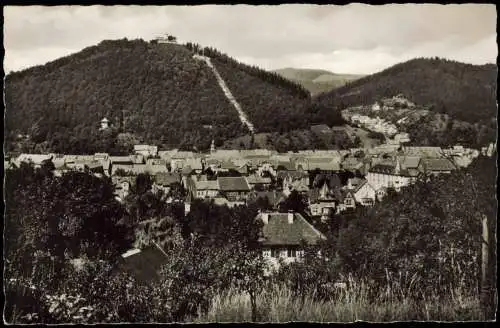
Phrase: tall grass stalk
(279, 304)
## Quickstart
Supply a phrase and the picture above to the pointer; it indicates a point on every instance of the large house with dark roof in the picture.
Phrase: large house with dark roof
(233, 188)
(205, 188)
(163, 181)
(436, 166)
(283, 234)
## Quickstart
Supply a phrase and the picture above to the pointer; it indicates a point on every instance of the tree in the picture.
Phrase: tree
(294, 202)
(51, 220)
(441, 217)
(143, 183)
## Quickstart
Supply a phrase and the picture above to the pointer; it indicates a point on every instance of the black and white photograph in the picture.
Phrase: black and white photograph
(238, 163)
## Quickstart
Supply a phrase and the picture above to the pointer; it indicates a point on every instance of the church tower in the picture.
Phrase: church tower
(397, 169)
(324, 191)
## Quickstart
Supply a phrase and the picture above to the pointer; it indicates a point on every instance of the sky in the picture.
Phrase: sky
(350, 39)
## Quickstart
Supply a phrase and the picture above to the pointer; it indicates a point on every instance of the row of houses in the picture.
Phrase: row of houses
(374, 124)
(264, 172)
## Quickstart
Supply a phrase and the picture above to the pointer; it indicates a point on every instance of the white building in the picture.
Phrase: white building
(104, 123)
(385, 175)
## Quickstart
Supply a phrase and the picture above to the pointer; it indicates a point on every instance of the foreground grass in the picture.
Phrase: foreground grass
(280, 305)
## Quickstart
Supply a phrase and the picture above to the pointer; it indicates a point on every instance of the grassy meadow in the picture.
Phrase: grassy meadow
(279, 304)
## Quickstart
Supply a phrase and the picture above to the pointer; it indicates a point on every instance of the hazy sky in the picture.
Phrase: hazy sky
(356, 38)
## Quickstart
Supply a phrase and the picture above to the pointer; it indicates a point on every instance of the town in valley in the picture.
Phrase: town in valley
(327, 170)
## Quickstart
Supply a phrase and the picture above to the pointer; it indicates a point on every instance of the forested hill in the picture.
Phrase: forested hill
(152, 93)
(463, 91)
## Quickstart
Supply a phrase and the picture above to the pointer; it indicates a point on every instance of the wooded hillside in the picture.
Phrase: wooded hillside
(463, 91)
(152, 93)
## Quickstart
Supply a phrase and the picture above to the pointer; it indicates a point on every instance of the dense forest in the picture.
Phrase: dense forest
(463, 91)
(152, 93)
(157, 93)
(272, 102)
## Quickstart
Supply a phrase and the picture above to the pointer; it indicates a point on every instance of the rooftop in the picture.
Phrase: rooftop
(278, 230)
(206, 185)
(144, 264)
(233, 184)
(165, 179)
(438, 164)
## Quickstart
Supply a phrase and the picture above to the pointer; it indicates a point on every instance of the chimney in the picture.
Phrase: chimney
(349, 184)
(265, 218)
(290, 217)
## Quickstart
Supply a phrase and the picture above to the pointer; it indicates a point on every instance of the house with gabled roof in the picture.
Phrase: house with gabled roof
(163, 181)
(283, 236)
(363, 192)
(391, 175)
(257, 182)
(347, 200)
(322, 202)
(353, 164)
(205, 188)
(195, 164)
(233, 188)
(436, 166)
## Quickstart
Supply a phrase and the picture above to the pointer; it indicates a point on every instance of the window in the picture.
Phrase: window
(368, 201)
(300, 253)
(266, 253)
(292, 253)
(275, 253)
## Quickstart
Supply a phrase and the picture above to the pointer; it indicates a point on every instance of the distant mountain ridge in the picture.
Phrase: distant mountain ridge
(316, 80)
